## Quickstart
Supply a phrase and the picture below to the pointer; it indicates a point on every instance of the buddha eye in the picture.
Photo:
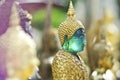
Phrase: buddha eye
(79, 32)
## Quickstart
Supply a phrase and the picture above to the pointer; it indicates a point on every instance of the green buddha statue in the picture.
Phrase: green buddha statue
(67, 64)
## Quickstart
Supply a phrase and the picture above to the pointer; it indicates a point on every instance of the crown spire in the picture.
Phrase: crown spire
(71, 9)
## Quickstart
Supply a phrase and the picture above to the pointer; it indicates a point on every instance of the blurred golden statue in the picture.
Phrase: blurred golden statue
(103, 48)
(67, 64)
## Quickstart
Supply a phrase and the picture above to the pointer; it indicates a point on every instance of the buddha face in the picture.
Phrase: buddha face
(76, 43)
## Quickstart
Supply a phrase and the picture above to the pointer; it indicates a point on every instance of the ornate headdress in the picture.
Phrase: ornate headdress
(70, 25)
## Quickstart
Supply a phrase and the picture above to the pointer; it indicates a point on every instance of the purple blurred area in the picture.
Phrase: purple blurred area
(32, 7)
(31, 1)
(3, 73)
(5, 10)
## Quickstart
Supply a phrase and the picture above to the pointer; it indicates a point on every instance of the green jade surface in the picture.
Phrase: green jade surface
(76, 43)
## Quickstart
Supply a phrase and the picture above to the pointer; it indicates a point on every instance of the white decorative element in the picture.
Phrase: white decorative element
(118, 74)
(108, 75)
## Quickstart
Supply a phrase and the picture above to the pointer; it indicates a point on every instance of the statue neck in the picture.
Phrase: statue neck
(74, 54)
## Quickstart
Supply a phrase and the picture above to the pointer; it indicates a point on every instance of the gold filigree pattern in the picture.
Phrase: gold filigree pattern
(68, 67)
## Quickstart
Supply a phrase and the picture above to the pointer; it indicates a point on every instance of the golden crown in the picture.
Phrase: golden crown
(70, 25)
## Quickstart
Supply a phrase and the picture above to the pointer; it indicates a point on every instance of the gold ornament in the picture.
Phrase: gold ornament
(66, 66)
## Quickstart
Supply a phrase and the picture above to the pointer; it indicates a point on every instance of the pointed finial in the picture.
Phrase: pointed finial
(14, 17)
(71, 9)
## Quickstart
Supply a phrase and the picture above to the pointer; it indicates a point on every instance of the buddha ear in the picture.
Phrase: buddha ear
(65, 38)
(66, 43)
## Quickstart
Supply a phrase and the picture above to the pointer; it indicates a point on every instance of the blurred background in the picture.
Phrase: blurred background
(47, 15)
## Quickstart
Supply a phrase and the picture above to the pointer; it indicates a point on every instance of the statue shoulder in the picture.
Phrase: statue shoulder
(66, 66)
